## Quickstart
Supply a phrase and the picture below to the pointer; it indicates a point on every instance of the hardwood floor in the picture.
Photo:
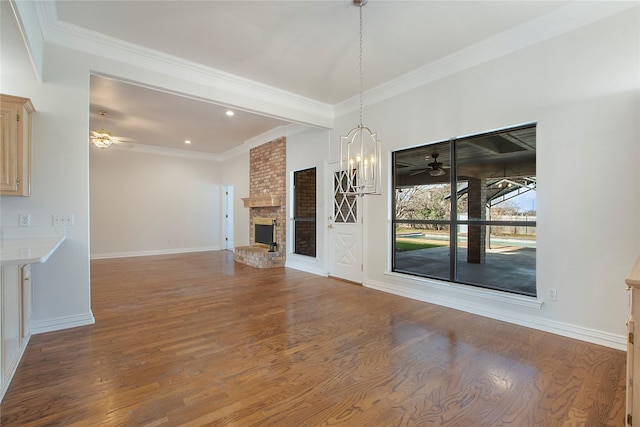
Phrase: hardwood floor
(194, 339)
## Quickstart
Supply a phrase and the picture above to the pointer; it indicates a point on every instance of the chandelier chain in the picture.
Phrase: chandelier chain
(360, 65)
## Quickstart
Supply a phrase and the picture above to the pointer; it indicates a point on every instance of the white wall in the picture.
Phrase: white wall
(60, 184)
(145, 203)
(583, 90)
(308, 149)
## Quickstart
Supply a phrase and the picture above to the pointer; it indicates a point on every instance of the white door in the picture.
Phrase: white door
(345, 229)
(228, 217)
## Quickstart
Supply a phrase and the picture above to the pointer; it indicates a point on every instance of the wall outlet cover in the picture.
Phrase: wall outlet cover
(24, 220)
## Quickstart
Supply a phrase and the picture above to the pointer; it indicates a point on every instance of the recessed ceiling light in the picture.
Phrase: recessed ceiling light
(187, 142)
(229, 113)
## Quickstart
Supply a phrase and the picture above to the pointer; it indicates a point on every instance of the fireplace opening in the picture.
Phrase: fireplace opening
(264, 233)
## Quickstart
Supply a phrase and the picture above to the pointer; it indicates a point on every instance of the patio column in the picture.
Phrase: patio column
(476, 235)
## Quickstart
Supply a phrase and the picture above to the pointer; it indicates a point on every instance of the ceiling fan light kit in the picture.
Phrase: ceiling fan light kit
(435, 168)
(360, 149)
(436, 172)
(102, 138)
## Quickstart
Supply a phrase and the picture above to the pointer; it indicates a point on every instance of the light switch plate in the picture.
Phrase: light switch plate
(64, 220)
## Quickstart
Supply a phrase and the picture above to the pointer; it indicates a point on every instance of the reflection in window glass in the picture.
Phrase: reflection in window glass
(479, 191)
(424, 202)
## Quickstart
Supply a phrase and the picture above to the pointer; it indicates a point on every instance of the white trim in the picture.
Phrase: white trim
(251, 143)
(459, 290)
(468, 299)
(163, 151)
(6, 382)
(310, 265)
(268, 136)
(153, 252)
(30, 29)
(564, 19)
(291, 106)
(59, 323)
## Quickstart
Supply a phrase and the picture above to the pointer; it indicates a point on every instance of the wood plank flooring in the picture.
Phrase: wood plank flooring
(195, 339)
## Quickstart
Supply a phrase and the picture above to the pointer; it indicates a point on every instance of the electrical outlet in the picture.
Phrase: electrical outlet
(24, 220)
(552, 294)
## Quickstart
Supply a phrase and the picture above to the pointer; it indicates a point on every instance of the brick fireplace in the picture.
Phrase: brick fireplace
(267, 194)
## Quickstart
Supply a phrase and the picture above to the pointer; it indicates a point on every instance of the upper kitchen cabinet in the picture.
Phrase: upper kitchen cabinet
(15, 145)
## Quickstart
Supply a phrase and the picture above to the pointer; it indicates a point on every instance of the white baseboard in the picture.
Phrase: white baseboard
(60, 323)
(10, 370)
(306, 266)
(423, 292)
(154, 252)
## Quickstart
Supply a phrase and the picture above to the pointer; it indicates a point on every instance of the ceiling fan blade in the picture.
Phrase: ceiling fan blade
(99, 133)
(125, 139)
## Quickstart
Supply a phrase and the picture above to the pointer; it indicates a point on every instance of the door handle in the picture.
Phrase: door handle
(330, 226)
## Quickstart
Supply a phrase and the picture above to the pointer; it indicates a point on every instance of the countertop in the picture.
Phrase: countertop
(633, 279)
(29, 245)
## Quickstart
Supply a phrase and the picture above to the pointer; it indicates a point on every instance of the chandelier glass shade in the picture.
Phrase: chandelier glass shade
(102, 138)
(360, 161)
(360, 149)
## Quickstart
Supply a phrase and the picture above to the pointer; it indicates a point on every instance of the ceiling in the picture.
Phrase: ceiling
(140, 116)
(307, 48)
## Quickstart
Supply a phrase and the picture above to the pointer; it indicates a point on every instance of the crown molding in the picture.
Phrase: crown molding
(162, 151)
(263, 97)
(268, 136)
(304, 110)
(29, 25)
(263, 138)
(574, 15)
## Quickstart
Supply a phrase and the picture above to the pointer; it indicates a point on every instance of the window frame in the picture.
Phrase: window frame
(295, 219)
(454, 222)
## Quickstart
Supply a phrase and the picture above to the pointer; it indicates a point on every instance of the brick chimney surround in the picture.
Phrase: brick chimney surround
(267, 193)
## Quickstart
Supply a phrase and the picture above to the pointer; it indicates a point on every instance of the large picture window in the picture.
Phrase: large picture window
(465, 210)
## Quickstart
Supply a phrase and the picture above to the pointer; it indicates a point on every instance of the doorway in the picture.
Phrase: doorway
(345, 228)
(228, 217)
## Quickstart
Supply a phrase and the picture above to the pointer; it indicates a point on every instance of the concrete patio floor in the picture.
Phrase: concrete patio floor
(507, 268)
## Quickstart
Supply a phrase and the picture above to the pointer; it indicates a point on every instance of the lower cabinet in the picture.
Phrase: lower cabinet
(15, 314)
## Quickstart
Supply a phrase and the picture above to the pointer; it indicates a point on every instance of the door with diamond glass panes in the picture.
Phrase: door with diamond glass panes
(345, 229)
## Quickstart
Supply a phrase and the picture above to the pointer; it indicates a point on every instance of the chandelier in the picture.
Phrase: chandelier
(360, 149)
(102, 138)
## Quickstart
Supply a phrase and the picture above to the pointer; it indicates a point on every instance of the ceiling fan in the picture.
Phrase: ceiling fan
(103, 138)
(434, 168)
